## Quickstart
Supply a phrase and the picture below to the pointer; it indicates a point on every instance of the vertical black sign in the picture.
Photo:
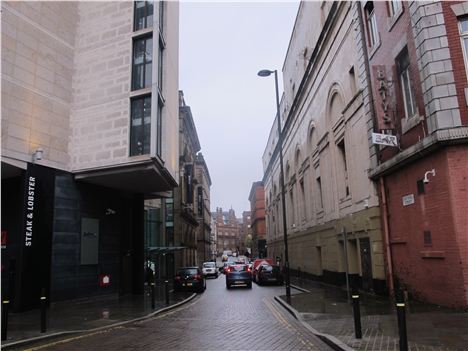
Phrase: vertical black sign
(189, 182)
(200, 200)
(38, 209)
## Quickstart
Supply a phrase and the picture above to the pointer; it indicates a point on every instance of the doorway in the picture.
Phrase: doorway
(366, 264)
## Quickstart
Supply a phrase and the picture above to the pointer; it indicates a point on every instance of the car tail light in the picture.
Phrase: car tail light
(229, 270)
(198, 277)
(177, 277)
(249, 270)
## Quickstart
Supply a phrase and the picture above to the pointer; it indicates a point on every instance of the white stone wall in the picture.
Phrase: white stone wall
(38, 41)
(66, 74)
(435, 65)
(311, 149)
(100, 115)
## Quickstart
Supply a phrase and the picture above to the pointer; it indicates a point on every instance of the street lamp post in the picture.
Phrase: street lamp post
(266, 73)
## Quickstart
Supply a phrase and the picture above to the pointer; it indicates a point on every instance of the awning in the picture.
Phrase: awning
(143, 175)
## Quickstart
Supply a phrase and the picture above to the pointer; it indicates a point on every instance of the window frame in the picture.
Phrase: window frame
(405, 72)
(463, 37)
(395, 10)
(145, 17)
(132, 135)
(371, 24)
(144, 63)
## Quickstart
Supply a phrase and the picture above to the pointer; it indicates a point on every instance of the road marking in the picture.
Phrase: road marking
(64, 341)
(278, 315)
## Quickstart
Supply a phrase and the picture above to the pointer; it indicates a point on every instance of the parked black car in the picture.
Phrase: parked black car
(268, 274)
(238, 274)
(189, 279)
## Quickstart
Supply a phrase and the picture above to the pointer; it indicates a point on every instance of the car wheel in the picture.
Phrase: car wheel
(228, 286)
(249, 285)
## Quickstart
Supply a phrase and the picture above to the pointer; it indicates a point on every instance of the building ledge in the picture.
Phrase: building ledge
(145, 176)
(432, 254)
(438, 139)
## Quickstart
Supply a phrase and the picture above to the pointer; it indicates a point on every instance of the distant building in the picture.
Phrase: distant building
(185, 221)
(203, 214)
(257, 208)
(227, 229)
(244, 230)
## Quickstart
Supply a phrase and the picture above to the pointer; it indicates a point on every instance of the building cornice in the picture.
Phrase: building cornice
(439, 139)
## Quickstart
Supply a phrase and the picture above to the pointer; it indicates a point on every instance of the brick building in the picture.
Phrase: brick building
(416, 57)
(244, 231)
(89, 131)
(227, 230)
(257, 209)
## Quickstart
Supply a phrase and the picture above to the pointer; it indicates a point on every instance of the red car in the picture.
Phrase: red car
(258, 262)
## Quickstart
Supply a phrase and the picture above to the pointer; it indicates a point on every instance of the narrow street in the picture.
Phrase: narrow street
(218, 319)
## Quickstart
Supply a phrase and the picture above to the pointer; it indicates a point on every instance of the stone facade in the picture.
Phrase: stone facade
(331, 204)
(203, 213)
(185, 199)
(67, 128)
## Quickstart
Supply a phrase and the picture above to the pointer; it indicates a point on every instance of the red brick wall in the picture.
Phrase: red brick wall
(441, 210)
(456, 53)
(385, 55)
(457, 158)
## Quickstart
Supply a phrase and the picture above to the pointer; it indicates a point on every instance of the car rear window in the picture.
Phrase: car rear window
(239, 267)
(208, 265)
(187, 271)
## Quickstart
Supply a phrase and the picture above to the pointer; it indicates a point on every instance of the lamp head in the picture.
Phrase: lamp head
(265, 73)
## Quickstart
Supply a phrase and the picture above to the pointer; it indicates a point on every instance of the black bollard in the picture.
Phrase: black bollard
(357, 316)
(401, 315)
(5, 304)
(166, 283)
(152, 296)
(43, 313)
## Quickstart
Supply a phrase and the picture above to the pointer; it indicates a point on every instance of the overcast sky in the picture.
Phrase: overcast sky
(222, 47)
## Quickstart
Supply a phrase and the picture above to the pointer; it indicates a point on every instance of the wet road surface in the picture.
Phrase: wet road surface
(218, 319)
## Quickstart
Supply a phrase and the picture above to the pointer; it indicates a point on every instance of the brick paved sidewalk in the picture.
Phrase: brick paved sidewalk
(326, 310)
(86, 314)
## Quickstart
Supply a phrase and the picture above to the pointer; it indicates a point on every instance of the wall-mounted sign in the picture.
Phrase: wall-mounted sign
(104, 279)
(4, 239)
(89, 241)
(383, 104)
(29, 219)
(384, 139)
(408, 200)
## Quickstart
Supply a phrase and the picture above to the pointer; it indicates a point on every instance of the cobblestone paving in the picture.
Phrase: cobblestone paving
(219, 319)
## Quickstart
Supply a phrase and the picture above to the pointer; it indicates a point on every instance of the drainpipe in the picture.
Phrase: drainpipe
(383, 198)
(388, 251)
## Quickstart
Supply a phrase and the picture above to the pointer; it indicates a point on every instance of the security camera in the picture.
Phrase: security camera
(426, 179)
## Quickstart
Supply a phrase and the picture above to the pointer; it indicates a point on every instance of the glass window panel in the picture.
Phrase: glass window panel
(148, 72)
(143, 14)
(149, 19)
(464, 25)
(147, 106)
(149, 50)
(141, 126)
(142, 58)
(161, 16)
(139, 52)
(138, 77)
(160, 69)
